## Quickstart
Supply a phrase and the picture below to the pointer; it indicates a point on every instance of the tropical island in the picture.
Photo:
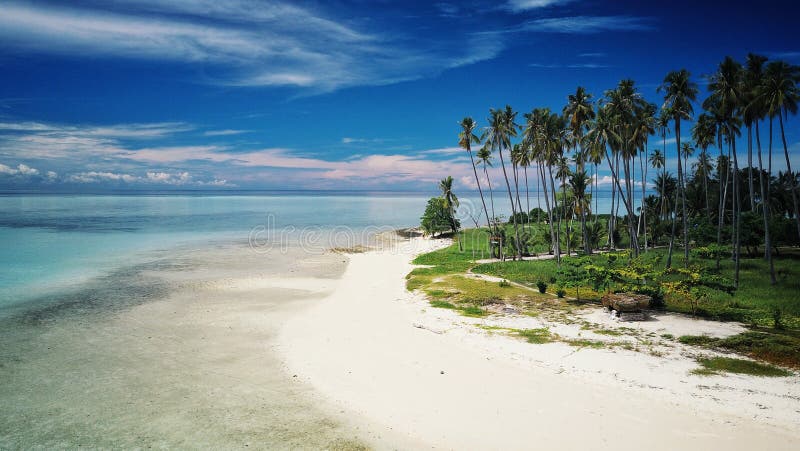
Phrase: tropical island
(717, 240)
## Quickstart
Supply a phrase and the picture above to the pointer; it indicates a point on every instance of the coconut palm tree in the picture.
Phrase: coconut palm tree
(726, 97)
(657, 162)
(679, 93)
(450, 200)
(704, 134)
(485, 157)
(645, 126)
(780, 95)
(466, 138)
(499, 132)
(754, 111)
(578, 111)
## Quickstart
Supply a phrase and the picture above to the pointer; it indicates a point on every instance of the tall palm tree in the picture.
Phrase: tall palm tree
(499, 132)
(754, 111)
(645, 126)
(466, 138)
(578, 181)
(657, 162)
(679, 93)
(578, 111)
(704, 134)
(780, 95)
(450, 200)
(726, 97)
(485, 157)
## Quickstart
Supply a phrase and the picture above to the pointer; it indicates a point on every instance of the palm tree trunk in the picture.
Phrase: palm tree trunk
(555, 206)
(642, 215)
(527, 199)
(631, 222)
(750, 166)
(705, 182)
(547, 205)
(723, 198)
(682, 190)
(791, 175)
(765, 211)
(737, 213)
(480, 191)
(510, 198)
(625, 200)
(611, 243)
(491, 193)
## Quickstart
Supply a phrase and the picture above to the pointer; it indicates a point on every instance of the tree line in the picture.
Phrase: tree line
(714, 201)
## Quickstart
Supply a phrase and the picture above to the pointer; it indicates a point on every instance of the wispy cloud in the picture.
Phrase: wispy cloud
(350, 140)
(587, 24)
(569, 66)
(227, 132)
(240, 43)
(592, 55)
(526, 5)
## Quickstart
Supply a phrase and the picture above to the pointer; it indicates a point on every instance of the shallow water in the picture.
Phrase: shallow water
(117, 329)
(57, 242)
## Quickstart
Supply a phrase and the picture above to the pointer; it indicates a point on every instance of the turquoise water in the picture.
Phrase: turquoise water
(54, 242)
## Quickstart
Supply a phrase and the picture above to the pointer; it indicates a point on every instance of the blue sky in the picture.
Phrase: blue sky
(260, 94)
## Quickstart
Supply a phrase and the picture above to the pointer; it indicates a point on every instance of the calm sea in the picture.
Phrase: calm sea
(56, 242)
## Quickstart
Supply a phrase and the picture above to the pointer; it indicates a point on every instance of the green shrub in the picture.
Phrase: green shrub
(504, 284)
(542, 286)
(561, 293)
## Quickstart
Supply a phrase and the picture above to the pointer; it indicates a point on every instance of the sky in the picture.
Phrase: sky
(100, 95)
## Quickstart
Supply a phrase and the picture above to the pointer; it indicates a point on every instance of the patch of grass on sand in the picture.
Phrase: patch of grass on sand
(535, 336)
(584, 343)
(773, 346)
(443, 304)
(716, 365)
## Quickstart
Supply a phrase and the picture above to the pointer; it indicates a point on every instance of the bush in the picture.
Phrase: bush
(561, 292)
(777, 318)
(504, 284)
(656, 295)
(541, 286)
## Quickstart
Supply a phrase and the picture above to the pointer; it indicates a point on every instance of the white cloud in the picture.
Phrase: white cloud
(94, 177)
(21, 169)
(241, 43)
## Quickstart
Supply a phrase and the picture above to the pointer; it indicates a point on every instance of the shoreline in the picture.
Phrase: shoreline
(386, 357)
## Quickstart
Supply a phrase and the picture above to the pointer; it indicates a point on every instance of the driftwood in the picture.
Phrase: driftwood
(626, 302)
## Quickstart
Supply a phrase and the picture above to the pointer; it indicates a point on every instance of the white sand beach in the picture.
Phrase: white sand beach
(411, 374)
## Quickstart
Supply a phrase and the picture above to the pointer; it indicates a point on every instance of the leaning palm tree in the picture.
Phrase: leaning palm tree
(754, 111)
(466, 138)
(450, 200)
(780, 95)
(679, 93)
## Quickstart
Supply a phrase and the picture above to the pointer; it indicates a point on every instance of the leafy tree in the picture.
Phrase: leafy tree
(438, 217)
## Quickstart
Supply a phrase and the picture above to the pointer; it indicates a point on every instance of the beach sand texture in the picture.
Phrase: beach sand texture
(361, 349)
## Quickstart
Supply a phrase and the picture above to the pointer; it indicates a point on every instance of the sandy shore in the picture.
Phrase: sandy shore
(411, 374)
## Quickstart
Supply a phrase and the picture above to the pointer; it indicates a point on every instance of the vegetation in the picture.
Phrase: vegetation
(719, 239)
(716, 365)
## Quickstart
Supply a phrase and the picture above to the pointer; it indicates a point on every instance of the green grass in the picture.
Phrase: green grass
(585, 343)
(717, 365)
(753, 303)
(535, 336)
(777, 347)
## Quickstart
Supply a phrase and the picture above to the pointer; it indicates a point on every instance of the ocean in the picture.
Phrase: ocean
(56, 242)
